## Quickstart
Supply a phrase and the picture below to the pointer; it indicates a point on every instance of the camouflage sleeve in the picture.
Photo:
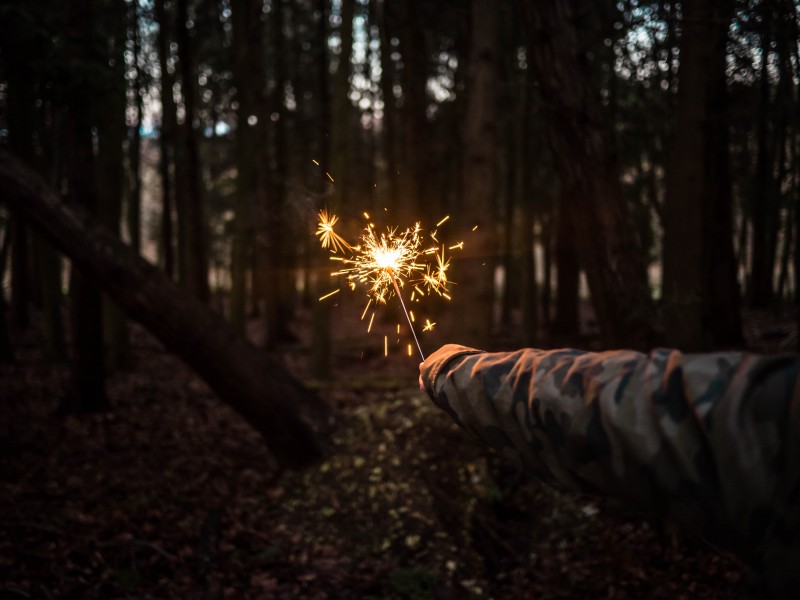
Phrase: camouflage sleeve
(710, 440)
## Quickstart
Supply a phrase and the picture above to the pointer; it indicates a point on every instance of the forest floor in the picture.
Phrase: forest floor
(172, 495)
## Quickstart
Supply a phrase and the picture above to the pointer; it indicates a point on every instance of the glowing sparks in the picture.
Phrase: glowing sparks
(381, 259)
(329, 294)
(386, 261)
(315, 161)
(327, 236)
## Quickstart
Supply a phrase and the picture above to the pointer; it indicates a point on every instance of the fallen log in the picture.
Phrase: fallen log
(244, 377)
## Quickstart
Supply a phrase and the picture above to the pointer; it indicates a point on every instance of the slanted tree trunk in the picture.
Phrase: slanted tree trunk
(258, 388)
(583, 151)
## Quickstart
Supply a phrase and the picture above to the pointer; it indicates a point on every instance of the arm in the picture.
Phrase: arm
(712, 440)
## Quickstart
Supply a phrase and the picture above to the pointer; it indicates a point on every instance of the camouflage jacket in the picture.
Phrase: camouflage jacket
(709, 440)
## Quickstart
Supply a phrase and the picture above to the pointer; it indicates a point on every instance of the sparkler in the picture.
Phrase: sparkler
(385, 262)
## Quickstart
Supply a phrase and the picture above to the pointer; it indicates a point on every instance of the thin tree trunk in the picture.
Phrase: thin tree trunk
(255, 386)
(566, 321)
(111, 133)
(135, 188)
(278, 305)
(475, 265)
(320, 363)
(6, 349)
(88, 393)
(410, 34)
(760, 291)
(20, 286)
(381, 9)
(195, 244)
(700, 289)
(166, 143)
(524, 151)
(249, 79)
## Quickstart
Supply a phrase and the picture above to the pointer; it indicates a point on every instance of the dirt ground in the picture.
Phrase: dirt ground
(172, 495)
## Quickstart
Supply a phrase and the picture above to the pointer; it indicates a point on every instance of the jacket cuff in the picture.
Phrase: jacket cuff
(437, 361)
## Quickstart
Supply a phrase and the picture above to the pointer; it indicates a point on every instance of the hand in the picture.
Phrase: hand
(421, 383)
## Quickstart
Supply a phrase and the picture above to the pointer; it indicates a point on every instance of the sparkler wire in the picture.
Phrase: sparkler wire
(403, 304)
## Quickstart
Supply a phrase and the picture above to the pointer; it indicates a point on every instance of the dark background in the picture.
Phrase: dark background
(634, 172)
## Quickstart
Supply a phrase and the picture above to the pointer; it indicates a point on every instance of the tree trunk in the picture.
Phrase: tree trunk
(320, 360)
(567, 276)
(278, 304)
(583, 151)
(255, 386)
(475, 265)
(381, 9)
(111, 133)
(166, 142)
(411, 35)
(524, 151)
(195, 244)
(135, 187)
(6, 349)
(338, 152)
(249, 150)
(88, 393)
(700, 292)
(725, 297)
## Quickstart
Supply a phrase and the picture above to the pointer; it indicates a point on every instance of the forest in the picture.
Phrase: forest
(196, 400)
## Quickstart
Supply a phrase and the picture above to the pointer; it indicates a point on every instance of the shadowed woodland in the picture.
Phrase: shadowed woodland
(181, 416)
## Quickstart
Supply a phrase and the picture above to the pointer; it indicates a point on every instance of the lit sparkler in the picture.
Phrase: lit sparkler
(385, 262)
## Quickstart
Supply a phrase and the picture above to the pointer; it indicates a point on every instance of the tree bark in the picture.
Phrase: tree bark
(700, 292)
(195, 244)
(111, 133)
(166, 142)
(475, 265)
(278, 302)
(411, 35)
(567, 275)
(88, 392)
(255, 386)
(249, 149)
(583, 151)
(381, 10)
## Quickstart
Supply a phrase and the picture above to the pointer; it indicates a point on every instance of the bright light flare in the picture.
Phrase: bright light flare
(385, 262)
